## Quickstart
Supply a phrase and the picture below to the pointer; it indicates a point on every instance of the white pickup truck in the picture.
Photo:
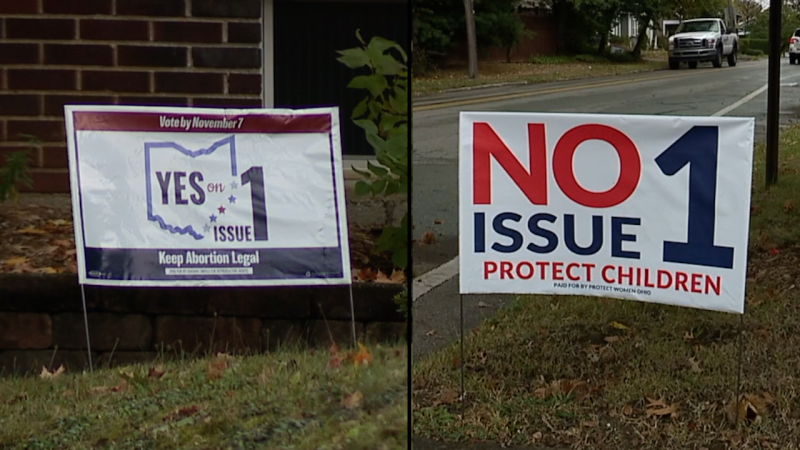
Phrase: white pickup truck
(703, 40)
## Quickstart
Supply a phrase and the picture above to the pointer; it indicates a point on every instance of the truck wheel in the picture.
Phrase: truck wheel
(674, 65)
(692, 64)
(717, 61)
(733, 57)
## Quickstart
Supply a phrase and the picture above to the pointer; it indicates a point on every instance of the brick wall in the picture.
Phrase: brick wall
(41, 320)
(149, 52)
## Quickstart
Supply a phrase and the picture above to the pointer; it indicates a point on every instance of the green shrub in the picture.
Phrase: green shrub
(15, 173)
(663, 43)
(590, 59)
(550, 59)
(754, 44)
(625, 57)
(753, 52)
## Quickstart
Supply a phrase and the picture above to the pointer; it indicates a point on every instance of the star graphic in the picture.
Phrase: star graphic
(232, 199)
(234, 185)
(212, 218)
(221, 209)
(206, 228)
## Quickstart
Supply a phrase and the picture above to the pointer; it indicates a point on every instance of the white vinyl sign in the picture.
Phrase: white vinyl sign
(648, 208)
(193, 196)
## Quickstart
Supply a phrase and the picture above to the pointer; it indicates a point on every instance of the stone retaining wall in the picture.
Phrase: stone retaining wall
(41, 320)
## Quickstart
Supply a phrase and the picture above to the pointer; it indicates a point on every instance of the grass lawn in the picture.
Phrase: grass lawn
(615, 374)
(291, 399)
(542, 69)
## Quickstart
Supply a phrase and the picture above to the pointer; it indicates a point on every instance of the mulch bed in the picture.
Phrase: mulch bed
(38, 237)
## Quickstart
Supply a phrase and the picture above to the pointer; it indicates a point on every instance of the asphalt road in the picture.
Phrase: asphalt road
(730, 91)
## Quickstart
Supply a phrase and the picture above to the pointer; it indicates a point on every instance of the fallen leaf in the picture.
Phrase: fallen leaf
(336, 359)
(353, 400)
(438, 221)
(215, 368)
(15, 261)
(156, 372)
(446, 397)
(47, 375)
(398, 276)
(694, 365)
(788, 206)
(774, 251)
(362, 356)
(65, 243)
(365, 274)
(618, 325)
(483, 305)
(31, 230)
(429, 238)
(611, 339)
(627, 410)
(670, 410)
(431, 333)
(536, 436)
(654, 403)
(688, 336)
(381, 277)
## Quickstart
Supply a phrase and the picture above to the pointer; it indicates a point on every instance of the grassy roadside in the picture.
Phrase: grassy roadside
(610, 374)
(539, 70)
(297, 399)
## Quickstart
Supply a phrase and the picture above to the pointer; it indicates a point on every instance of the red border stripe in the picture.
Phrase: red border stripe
(250, 123)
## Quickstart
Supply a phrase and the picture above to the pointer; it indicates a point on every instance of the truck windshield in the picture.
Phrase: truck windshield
(705, 25)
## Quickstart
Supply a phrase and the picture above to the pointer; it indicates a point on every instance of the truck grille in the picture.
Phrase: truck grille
(689, 43)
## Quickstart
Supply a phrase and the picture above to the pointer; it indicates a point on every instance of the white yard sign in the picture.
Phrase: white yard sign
(648, 208)
(190, 196)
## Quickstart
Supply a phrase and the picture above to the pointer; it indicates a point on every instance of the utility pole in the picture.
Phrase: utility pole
(472, 40)
(773, 90)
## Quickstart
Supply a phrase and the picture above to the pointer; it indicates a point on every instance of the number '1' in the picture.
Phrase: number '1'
(698, 149)
(255, 176)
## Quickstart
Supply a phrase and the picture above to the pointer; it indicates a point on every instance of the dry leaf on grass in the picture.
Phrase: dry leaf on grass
(15, 261)
(788, 206)
(381, 277)
(353, 400)
(362, 356)
(365, 274)
(627, 410)
(156, 372)
(31, 230)
(215, 367)
(751, 408)
(47, 375)
(430, 333)
(483, 305)
(336, 358)
(438, 221)
(611, 339)
(428, 238)
(446, 397)
(618, 325)
(659, 408)
(694, 365)
(564, 387)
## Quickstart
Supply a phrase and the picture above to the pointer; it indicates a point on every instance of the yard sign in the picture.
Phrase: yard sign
(648, 208)
(217, 197)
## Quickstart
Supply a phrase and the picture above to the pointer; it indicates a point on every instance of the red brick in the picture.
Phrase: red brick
(19, 104)
(217, 334)
(227, 102)
(233, 58)
(216, 8)
(25, 331)
(42, 80)
(206, 83)
(239, 83)
(19, 53)
(187, 32)
(50, 182)
(115, 81)
(5, 151)
(82, 7)
(174, 8)
(151, 56)
(248, 33)
(84, 55)
(152, 100)
(40, 28)
(114, 30)
(54, 104)
(55, 157)
(44, 130)
(18, 7)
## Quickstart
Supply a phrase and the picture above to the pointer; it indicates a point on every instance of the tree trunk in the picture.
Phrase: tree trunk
(508, 53)
(644, 24)
(472, 42)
